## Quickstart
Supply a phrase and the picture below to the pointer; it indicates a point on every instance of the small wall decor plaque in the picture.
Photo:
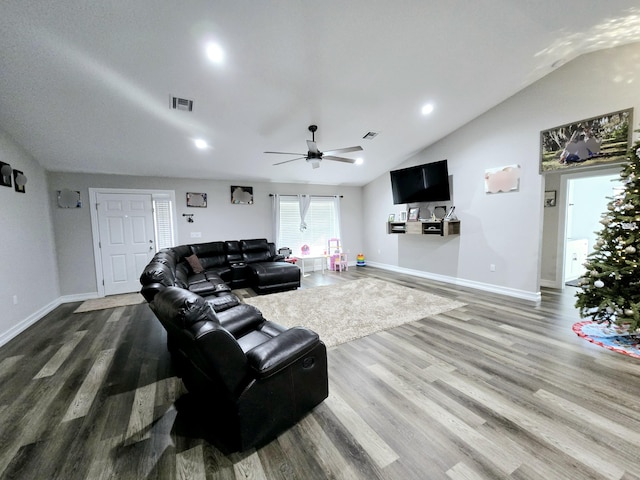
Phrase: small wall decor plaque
(241, 195)
(5, 175)
(502, 179)
(69, 198)
(196, 199)
(19, 181)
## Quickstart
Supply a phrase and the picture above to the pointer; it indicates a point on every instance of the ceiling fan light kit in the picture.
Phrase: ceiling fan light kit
(314, 156)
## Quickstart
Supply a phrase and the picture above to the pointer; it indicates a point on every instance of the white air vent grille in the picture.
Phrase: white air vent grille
(370, 135)
(183, 104)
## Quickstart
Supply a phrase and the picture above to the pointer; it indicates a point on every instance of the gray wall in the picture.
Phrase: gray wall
(219, 221)
(503, 229)
(28, 268)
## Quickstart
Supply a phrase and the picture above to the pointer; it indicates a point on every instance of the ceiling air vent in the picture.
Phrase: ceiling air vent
(183, 104)
(370, 135)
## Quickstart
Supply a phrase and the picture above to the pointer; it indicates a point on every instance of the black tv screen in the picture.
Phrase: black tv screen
(422, 183)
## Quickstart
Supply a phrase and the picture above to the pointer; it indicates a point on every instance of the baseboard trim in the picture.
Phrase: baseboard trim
(486, 287)
(39, 314)
(27, 322)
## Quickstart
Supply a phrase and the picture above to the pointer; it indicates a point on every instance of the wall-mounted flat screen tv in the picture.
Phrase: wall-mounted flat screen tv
(422, 183)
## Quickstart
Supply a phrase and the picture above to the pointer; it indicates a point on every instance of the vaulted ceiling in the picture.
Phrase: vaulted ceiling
(87, 86)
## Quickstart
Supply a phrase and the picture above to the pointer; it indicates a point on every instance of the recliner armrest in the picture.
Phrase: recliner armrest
(149, 290)
(281, 351)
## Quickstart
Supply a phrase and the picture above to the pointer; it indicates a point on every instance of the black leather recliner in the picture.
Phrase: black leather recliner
(253, 378)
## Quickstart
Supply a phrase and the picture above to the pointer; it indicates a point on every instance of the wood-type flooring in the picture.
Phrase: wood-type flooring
(497, 389)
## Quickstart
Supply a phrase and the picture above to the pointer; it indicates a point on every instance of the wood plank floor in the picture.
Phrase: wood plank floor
(497, 389)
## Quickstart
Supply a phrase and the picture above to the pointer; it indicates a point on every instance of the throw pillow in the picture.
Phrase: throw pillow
(194, 263)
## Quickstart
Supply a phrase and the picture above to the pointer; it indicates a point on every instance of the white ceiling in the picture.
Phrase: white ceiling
(85, 86)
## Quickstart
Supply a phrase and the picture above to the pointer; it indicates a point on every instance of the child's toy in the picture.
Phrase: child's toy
(334, 252)
(360, 260)
(340, 263)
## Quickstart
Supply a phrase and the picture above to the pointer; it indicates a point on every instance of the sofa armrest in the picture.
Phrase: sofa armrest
(278, 258)
(278, 353)
(149, 291)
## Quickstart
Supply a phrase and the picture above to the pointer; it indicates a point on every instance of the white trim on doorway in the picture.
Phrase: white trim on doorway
(93, 194)
(562, 202)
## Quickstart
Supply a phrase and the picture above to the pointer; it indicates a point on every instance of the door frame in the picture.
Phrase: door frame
(95, 231)
(561, 247)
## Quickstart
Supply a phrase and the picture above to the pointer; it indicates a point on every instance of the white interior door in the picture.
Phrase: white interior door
(125, 225)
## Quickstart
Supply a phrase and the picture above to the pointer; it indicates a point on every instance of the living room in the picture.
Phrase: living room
(49, 255)
(505, 230)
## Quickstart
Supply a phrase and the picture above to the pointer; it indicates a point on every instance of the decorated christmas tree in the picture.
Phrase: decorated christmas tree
(611, 285)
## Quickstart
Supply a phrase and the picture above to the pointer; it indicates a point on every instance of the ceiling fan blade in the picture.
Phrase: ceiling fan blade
(313, 148)
(343, 150)
(338, 159)
(287, 161)
(286, 153)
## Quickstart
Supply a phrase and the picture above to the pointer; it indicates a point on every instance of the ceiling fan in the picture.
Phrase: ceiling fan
(315, 156)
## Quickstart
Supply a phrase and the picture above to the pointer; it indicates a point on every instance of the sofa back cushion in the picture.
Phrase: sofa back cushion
(211, 254)
(256, 250)
(232, 249)
(158, 272)
(181, 251)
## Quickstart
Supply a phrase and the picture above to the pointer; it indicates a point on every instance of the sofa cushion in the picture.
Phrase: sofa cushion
(194, 263)
(184, 307)
(256, 250)
(210, 254)
(222, 302)
(233, 251)
(181, 251)
(158, 272)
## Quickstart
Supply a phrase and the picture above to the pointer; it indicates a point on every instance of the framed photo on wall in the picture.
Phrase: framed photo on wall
(196, 199)
(550, 198)
(586, 143)
(241, 195)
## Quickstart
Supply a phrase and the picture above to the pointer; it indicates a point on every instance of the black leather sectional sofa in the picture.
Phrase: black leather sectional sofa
(217, 267)
(250, 378)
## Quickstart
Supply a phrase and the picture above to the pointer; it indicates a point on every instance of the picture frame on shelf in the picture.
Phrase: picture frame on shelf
(392, 217)
(403, 216)
(413, 214)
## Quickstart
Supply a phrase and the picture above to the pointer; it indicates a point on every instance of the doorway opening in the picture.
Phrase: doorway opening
(585, 201)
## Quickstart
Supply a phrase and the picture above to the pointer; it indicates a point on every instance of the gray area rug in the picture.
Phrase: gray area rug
(111, 301)
(341, 313)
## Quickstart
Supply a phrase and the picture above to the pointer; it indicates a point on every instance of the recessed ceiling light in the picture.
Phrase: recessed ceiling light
(215, 52)
(359, 161)
(427, 109)
(201, 144)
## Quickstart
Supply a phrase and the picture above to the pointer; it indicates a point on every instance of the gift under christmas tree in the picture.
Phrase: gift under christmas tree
(611, 285)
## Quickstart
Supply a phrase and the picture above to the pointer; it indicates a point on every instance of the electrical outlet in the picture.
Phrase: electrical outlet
(492, 268)
(15, 299)
(196, 234)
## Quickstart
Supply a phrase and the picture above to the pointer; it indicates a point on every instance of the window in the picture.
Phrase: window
(163, 221)
(322, 221)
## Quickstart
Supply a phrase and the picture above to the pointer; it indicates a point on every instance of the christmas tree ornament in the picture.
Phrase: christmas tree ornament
(598, 284)
(630, 249)
(628, 312)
